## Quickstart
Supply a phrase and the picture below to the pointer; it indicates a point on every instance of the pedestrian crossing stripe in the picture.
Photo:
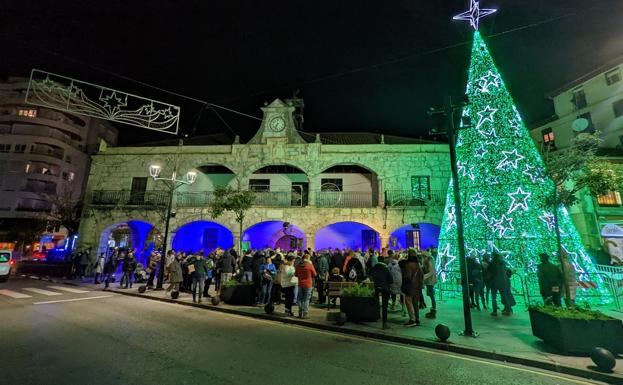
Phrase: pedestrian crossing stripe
(41, 291)
(13, 294)
(68, 289)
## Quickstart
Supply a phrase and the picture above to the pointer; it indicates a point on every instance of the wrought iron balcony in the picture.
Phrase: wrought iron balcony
(128, 198)
(408, 198)
(345, 199)
(195, 199)
(278, 199)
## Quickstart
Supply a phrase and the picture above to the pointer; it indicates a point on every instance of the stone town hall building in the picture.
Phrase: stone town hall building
(312, 190)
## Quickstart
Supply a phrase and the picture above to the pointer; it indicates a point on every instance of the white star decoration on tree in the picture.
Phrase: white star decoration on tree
(444, 258)
(451, 217)
(519, 200)
(503, 225)
(480, 151)
(474, 14)
(573, 259)
(490, 133)
(494, 249)
(486, 115)
(478, 207)
(490, 79)
(508, 161)
(515, 127)
(532, 173)
(549, 220)
(463, 170)
(493, 180)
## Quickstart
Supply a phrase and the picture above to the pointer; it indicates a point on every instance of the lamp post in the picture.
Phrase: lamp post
(172, 184)
(451, 131)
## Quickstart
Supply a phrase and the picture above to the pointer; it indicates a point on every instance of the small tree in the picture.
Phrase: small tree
(575, 168)
(66, 211)
(578, 167)
(237, 201)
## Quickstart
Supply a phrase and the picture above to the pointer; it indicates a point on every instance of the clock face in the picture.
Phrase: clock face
(277, 124)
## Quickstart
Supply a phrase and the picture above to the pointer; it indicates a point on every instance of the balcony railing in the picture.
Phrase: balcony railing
(277, 199)
(127, 198)
(344, 199)
(195, 199)
(49, 152)
(408, 198)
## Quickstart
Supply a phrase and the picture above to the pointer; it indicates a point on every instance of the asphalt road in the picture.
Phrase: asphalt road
(96, 337)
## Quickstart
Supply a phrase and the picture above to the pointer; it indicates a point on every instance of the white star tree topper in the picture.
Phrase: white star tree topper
(474, 14)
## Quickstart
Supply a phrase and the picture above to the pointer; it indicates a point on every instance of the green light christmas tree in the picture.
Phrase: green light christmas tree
(504, 190)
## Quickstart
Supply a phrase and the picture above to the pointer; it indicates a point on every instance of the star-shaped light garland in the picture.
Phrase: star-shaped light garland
(494, 249)
(486, 115)
(519, 200)
(480, 151)
(549, 220)
(444, 257)
(114, 102)
(503, 225)
(474, 14)
(478, 207)
(451, 217)
(503, 165)
(532, 173)
(490, 79)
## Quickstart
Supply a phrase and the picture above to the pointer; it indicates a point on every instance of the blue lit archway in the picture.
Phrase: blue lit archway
(141, 236)
(274, 234)
(202, 235)
(423, 236)
(347, 235)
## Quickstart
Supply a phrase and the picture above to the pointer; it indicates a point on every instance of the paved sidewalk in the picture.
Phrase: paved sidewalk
(501, 338)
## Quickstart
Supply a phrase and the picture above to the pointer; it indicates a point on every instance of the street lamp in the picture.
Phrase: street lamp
(448, 113)
(172, 184)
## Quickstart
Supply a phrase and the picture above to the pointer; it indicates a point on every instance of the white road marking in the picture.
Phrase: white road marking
(14, 294)
(41, 291)
(72, 300)
(68, 289)
(395, 345)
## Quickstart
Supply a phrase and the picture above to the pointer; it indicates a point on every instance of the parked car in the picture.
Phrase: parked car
(6, 263)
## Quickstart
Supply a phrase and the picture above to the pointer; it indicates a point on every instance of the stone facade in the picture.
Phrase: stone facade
(390, 168)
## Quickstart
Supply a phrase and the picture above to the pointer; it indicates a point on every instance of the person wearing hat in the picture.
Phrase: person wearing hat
(550, 278)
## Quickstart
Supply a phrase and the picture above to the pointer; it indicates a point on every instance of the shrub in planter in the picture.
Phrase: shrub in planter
(359, 304)
(576, 330)
(237, 293)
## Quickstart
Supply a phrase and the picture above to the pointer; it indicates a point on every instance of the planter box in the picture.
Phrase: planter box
(573, 336)
(360, 309)
(238, 295)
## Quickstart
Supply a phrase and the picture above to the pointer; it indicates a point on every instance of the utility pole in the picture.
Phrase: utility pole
(448, 113)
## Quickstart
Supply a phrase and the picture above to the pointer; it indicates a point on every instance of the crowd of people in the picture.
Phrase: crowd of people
(400, 278)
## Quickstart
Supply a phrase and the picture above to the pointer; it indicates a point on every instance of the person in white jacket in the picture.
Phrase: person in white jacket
(99, 267)
(394, 288)
(288, 282)
(430, 279)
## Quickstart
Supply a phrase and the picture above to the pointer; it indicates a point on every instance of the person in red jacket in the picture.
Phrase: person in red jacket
(305, 273)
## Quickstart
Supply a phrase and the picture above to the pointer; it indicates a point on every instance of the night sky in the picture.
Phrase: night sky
(359, 65)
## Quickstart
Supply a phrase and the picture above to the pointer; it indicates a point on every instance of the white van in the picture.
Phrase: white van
(6, 263)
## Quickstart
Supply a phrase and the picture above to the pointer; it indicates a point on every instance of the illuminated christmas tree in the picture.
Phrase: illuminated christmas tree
(505, 195)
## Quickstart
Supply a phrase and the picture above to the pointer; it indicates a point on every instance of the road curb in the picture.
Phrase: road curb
(450, 348)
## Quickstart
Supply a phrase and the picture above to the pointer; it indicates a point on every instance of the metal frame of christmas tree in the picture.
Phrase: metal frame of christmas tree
(505, 194)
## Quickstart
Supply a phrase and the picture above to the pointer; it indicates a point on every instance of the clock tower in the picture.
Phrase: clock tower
(277, 125)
